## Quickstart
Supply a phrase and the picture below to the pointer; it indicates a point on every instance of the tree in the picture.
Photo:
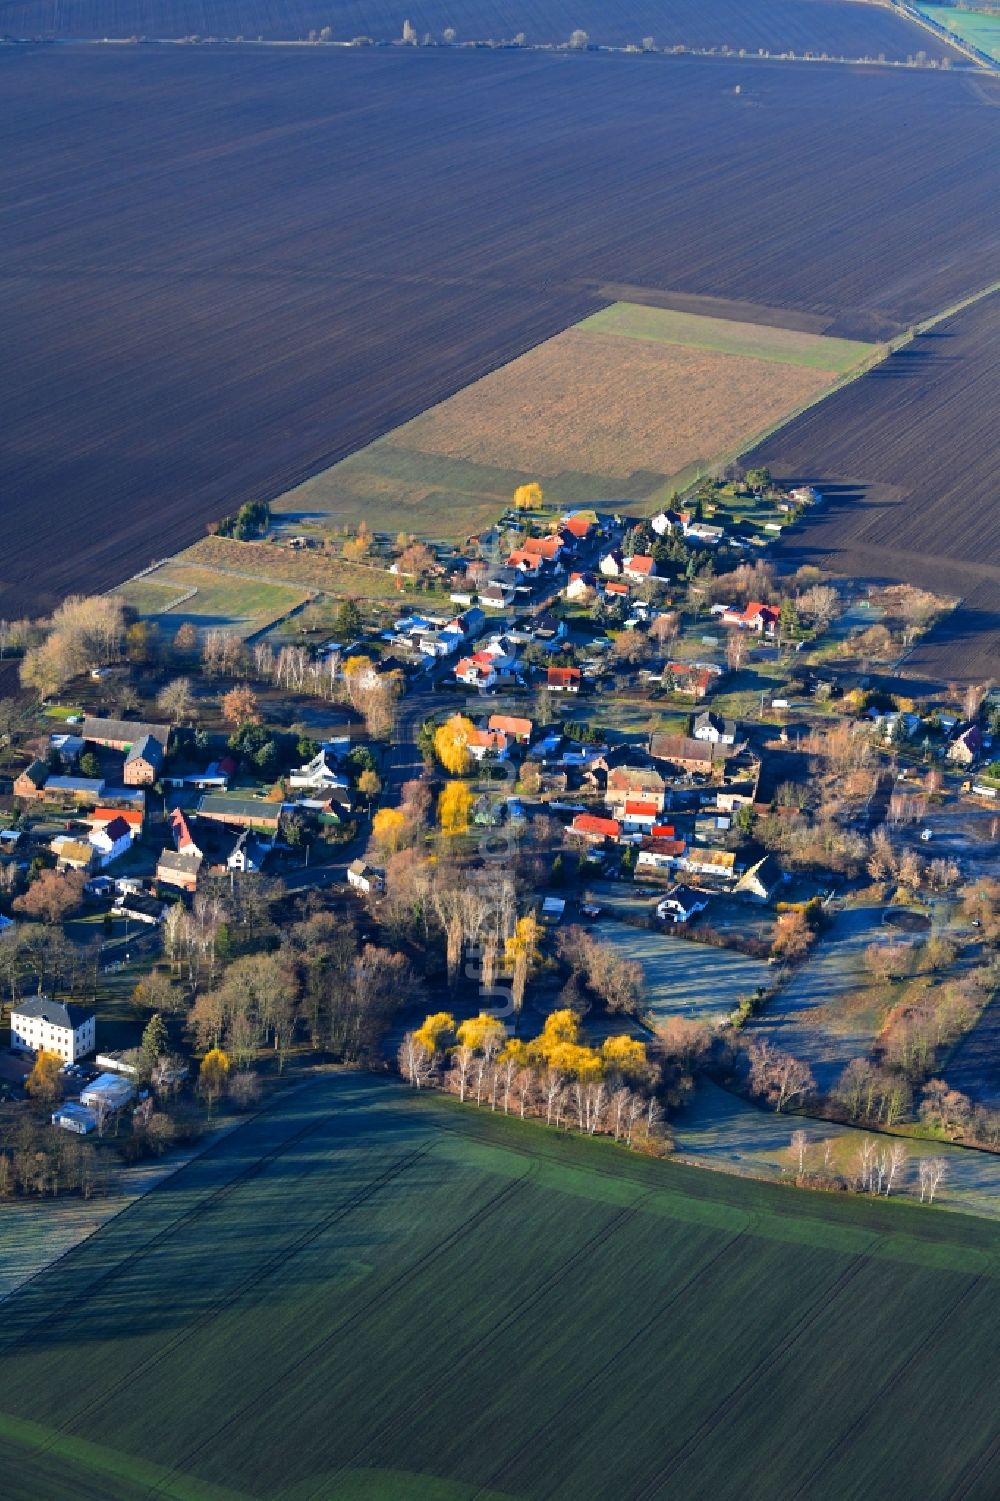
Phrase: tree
(348, 620)
(664, 628)
(212, 1077)
(523, 954)
(528, 497)
(52, 896)
(44, 1083)
(789, 625)
(239, 706)
(186, 640)
(416, 561)
(389, 829)
(579, 40)
(737, 647)
(153, 1045)
(89, 765)
(932, 1171)
(369, 784)
(451, 744)
(624, 1054)
(436, 1031)
(175, 699)
(793, 936)
(454, 807)
(778, 1077)
(416, 1061)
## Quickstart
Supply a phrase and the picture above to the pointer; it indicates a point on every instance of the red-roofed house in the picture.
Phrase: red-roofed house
(111, 840)
(638, 816)
(578, 527)
(662, 831)
(579, 584)
(756, 617)
(183, 842)
(688, 678)
(660, 854)
(638, 567)
(101, 817)
(563, 679)
(525, 562)
(514, 727)
(594, 829)
(616, 590)
(483, 743)
(548, 548)
(477, 671)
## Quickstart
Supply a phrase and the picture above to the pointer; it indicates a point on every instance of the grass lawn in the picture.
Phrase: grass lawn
(784, 346)
(684, 978)
(367, 1294)
(206, 597)
(983, 31)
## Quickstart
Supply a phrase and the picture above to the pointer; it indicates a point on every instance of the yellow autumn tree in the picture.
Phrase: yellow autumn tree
(523, 955)
(482, 1033)
(454, 806)
(44, 1083)
(560, 1026)
(624, 1055)
(573, 1058)
(389, 828)
(436, 1032)
(451, 744)
(528, 497)
(212, 1076)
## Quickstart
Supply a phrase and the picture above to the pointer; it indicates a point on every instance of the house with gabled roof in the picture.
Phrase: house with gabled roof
(143, 762)
(111, 840)
(179, 870)
(761, 881)
(639, 567)
(42, 1023)
(714, 728)
(513, 726)
(967, 746)
(595, 829)
(563, 679)
(29, 783)
(477, 671)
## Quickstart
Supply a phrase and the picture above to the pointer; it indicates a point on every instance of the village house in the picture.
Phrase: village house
(563, 679)
(719, 864)
(141, 908)
(240, 812)
(101, 817)
(180, 831)
(214, 778)
(761, 881)
(658, 855)
(547, 548)
(69, 749)
(317, 775)
(630, 782)
(73, 854)
(595, 830)
(487, 743)
(639, 817)
(686, 752)
(143, 762)
(579, 525)
(29, 783)
(179, 870)
(612, 563)
(639, 567)
(477, 671)
(701, 531)
(513, 726)
(967, 745)
(757, 617)
(38, 1022)
(496, 595)
(248, 854)
(579, 585)
(364, 877)
(714, 728)
(123, 734)
(110, 841)
(681, 904)
(691, 678)
(665, 522)
(528, 564)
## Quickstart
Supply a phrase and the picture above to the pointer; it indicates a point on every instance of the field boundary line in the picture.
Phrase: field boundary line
(380, 1296)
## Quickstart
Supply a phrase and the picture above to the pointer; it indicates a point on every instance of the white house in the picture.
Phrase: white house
(107, 1092)
(477, 671)
(715, 729)
(680, 904)
(111, 840)
(665, 522)
(317, 774)
(364, 877)
(612, 564)
(248, 853)
(40, 1022)
(487, 743)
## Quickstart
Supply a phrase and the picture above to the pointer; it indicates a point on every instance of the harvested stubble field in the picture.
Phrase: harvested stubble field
(622, 405)
(905, 457)
(430, 1305)
(801, 26)
(231, 305)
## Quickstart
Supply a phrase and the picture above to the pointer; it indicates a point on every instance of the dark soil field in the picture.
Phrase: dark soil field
(907, 457)
(834, 27)
(224, 270)
(364, 1295)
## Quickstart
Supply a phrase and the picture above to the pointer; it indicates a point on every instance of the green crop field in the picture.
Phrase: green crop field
(207, 597)
(982, 30)
(759, 341)
(364, 1294)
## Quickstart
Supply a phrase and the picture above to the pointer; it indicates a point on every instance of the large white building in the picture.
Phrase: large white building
(40, 1023)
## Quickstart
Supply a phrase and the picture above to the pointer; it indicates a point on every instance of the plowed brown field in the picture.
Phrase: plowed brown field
(224, 270)
(907, 458)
